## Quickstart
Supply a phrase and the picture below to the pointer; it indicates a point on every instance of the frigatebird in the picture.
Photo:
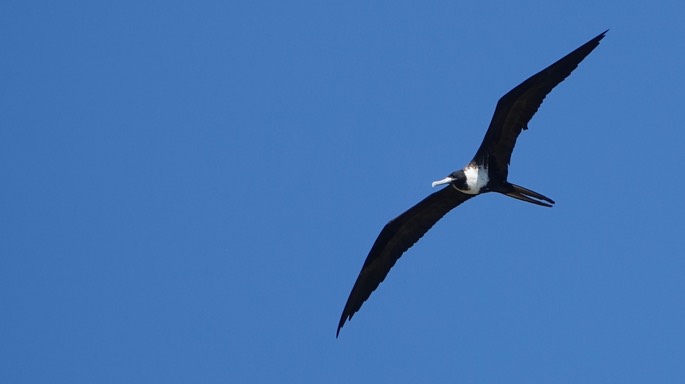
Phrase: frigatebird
(487, 172)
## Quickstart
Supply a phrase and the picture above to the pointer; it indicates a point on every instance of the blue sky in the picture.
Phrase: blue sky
(189, 190)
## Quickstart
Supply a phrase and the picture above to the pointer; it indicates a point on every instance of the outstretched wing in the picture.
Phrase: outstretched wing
(515, 109)
(396, 237)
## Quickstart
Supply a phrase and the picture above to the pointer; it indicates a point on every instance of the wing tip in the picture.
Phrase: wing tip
(598, 38)
(340, 325)
(601, 35)
(344, 318)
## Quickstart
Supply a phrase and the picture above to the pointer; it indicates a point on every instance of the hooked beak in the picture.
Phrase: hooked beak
(446, 180)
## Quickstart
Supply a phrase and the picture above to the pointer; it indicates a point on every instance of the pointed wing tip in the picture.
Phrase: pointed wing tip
(342, 321)
(599, 37)
(594, 42)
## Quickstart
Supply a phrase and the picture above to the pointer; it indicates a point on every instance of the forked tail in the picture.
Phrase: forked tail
(529, 196)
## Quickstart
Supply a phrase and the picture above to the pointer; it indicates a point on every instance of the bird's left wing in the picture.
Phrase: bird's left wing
(396, 237)
(515, 109)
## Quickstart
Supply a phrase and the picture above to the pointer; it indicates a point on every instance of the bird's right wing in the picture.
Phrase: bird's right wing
(396, 237)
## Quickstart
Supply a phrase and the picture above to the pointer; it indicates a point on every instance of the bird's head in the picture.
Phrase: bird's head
(456, 178)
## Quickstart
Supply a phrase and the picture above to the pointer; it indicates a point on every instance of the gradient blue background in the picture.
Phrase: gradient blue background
(189, 189)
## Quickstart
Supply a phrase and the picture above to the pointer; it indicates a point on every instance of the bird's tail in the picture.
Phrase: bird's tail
(518, 192)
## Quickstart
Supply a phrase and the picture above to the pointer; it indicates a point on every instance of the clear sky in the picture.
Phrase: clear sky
(189, 189)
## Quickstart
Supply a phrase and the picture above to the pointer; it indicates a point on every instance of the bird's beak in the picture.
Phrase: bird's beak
(446, 180)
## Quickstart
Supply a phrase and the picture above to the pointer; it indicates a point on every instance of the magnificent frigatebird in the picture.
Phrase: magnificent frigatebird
(487, 172)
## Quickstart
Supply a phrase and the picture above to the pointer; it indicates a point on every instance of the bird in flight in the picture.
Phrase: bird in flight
(487, 172)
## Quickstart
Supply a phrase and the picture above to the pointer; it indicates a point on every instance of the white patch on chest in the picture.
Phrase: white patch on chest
(476, 178)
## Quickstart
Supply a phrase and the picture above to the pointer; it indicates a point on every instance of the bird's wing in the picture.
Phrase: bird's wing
(515, 109)
(396, 237)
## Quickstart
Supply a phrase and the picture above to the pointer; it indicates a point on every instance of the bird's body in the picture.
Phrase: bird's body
(476, 178)
(487, 172)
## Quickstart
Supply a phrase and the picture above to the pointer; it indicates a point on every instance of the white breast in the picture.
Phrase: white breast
(476, 178)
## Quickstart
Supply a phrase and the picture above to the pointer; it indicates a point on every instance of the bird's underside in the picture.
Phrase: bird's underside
(512, 114)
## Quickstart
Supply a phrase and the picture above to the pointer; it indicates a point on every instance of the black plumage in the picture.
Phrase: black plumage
(487, 172)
